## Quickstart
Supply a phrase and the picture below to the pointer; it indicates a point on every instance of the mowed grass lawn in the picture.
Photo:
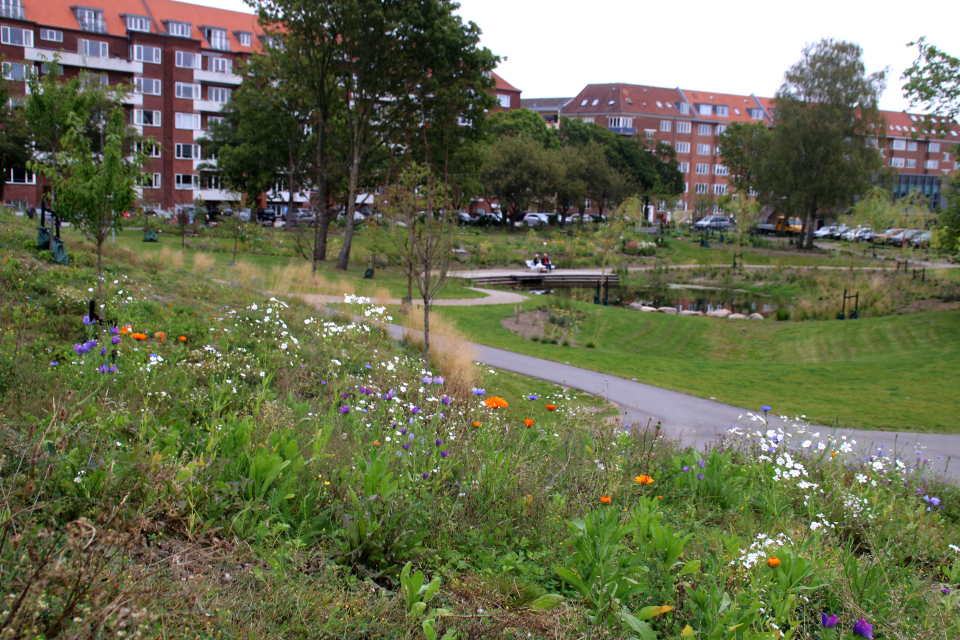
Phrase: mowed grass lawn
(891, 373)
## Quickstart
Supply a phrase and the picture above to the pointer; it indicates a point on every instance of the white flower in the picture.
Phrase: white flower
(283, 347)
(806, 444)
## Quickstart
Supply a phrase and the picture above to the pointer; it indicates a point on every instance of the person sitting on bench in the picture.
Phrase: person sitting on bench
(546, 262)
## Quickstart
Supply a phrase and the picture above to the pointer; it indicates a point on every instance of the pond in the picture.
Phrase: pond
(681, 297)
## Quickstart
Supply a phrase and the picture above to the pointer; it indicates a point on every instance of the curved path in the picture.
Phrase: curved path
(493, 296)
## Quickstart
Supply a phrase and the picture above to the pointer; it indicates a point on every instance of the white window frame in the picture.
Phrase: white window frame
(684, 167)
(137, 23)
(179, 29)
(181, 119)
(703, 168)
(706, 109)
(683, 147)
(221, 65)
(94, 48)
(931, 165)
(683, 127)
(152, 152)
(899, 145)
(703, 150)
(665, 125)
(220, 95)
(722, 111)
(704, 129)
(187, 90)
(588, 120)
(218, 39)
(650, 133)
(156, 118)
(29, 177)
(911, 145)
(245, 39)
(193, 151)
(26, 36)
(721, 128)
(756, 114)
(720, 170)
(701, 187)
(144, 53)
(155, 86)
(181, 57)
(181, 184)
(934, 147)
(684, 108)
(51, 35)
(154, 183)
(898, 163)
(911, 163)
(8, 74)
(719, 189)
(214, 120)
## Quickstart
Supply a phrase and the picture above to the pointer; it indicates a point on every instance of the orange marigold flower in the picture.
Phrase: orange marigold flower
(138, 336)
(551, 407)
(644, 479)
(376, 443)
(772, 561)
(183, 338)
(659, 497)
(605, 499)
(161, 335)
(125, 329)
(476, 423)
(528, 422)
(496, 402)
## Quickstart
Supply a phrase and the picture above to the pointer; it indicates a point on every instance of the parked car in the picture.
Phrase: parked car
(488, 219)
(921, 239)
(266, 217)
(857, 234)
(899, 239)
(716, 222)
(884, 237)
(464, 219)
(824, 232)
(838, 231)
(304, 218)
(536, 220)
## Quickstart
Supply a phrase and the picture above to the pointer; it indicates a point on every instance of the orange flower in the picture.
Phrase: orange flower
(605, 499)
(125, 329)
(528, 422)
(183, 338)
(496, 402)
(376, 443)
(644, 479)
(161, 335)
(659, 497)
(476, 423)
(772, 561)
(551, 407)
(138, 336)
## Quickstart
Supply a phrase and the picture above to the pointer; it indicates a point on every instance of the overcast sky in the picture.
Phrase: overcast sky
(553, 49)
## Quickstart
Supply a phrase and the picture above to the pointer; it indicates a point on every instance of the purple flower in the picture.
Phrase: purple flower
(830, 621)
(686, 468)
(113, 368)
(444, 454)
(429, 453)
(765, 408)
(426, 379)
(415, 410)
(115, 340)
(103, 351)
(103, 368)
(78, 349)
(438, 380)
(702, 464)
(87, 320)
(532, 397)
(323, 382)
(367, 366)
(426, 476)
(114, 330)
(406, 447)
(343, 396)
(945, 591)
(403, 431)
(439, 442)
(479, 392)
(54, 363)
(446, 400)
(344, 409)
(934, 501)
(700, 476)
(863, 628)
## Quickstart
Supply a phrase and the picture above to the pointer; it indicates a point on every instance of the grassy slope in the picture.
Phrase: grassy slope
(897, 372)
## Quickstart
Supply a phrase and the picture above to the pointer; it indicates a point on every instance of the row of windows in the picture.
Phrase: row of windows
(702, 187)
(153, 118)
(188, 181)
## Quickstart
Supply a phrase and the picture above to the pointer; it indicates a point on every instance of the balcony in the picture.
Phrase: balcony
(94, 25)
(199, 134)
(133, 98)
(216, 195)
(207, 106)
(86, 62)
(624, 131)
(12, 11)
(216, 77)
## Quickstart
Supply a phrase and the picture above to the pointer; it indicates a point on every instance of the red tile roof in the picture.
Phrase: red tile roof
(503, 84)
(57, 13)
(903, 124)
(739, 105)
(624, 98)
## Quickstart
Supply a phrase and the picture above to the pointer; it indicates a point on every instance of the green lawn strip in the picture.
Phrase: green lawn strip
(893, 373)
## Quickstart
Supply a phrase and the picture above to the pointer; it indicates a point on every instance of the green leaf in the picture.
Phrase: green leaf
(546, 602)
(431, 589)
(644, 630)
(691, 567)
(428, 629)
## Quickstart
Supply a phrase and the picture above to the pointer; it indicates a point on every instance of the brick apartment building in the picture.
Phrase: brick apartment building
(179, 58)
(691, 120)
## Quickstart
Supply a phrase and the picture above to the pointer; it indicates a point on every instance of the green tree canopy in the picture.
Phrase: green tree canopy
(517, 172)
(933, 84)
(522, 123)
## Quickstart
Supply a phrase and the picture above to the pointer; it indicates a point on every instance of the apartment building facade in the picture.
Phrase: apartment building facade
(178, 58)
(691, 120)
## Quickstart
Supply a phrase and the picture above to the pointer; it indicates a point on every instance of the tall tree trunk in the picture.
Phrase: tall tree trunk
(343, 261)
(323, 220)
(100, 241)
(426, 317)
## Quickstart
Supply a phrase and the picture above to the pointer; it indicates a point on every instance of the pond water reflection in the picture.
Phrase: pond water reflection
(681, 297)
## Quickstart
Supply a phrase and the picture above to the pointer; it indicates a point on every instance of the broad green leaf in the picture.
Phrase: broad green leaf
(546, 602)
(649, 612)
(691, 567)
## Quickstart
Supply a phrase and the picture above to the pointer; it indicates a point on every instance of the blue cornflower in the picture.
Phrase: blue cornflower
(479, 392)
(344, 409)
(532, 397)
(828, 622)
(686, 468)
(446, 400)
(863, 628)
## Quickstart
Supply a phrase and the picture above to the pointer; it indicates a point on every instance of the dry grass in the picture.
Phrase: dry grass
(171, 259)
(449, 350)
(202, 263)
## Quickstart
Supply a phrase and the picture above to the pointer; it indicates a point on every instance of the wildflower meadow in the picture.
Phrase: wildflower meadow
(206, 460)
